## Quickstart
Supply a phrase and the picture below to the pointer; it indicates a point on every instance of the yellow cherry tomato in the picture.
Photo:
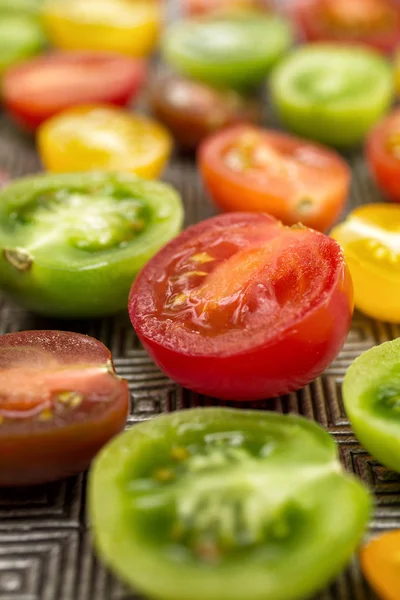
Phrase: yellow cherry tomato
(101, 137)
(380, 562)
(127, 26)
(370, 237)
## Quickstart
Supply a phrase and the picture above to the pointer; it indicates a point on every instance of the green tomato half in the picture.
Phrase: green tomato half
(21, 36)
(226, 505)
(371, 394)
(72, 244)
(332, 93)
(229, 50)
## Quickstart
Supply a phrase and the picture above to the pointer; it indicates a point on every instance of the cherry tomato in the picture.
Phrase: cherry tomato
(201, 7)
(88, 137)
(21, 36)
(383, 154)
(227, 50)
(115, 25)
(192, 110)
(225, 504)
(70, 245)
(371, 395)
(44, 86)
(61, 400)
(332, 93)
(240, 307)
(380, 563)
(247, 168)
(375, 23)
(370, 237)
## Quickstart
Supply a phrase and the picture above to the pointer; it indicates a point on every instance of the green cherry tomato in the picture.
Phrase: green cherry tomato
(226, 505)
(21, 36)
(333, 94)
(72, 244)
(371, 394)
(228, 50)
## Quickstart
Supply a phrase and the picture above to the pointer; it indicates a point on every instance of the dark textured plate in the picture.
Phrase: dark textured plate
(45, 548)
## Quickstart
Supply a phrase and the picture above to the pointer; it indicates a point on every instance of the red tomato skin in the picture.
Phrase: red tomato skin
(121, 80)
(303, 14)
(232, 193)
(384, 166)
(295, 357)
(33, 457)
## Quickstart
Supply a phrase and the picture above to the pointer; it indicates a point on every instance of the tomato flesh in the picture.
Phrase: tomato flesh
(44, 86)
(245, 168)
(60, 401)
(383, 154)
(240, 307)
(380, 562)
(247, 504)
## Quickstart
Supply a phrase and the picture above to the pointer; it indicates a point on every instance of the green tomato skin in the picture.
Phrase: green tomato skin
(241, 69)
(377, 430)
(343, 124)
(337, 508)
(21, 36)
(68, 283)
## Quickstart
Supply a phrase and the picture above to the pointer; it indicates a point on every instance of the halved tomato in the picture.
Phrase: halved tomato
(375, 23)
(383, 154)
(60, 401)
(380, 562)
(252, 169)
(240, 307)
(36, 90)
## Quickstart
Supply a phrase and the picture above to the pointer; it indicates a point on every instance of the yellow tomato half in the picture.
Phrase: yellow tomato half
(380, 562)
(100, 137)
(127, 26)
(370, 237)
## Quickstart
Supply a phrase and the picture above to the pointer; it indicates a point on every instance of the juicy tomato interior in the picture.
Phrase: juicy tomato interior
(380, 562)
(292, 179)
(383, 154)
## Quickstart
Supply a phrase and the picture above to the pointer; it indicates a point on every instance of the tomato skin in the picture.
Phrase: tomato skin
(31, 453)
(381, 160)
(275, 193)
(380, 564)
(44, 86)
(312, 20)
(308, 347)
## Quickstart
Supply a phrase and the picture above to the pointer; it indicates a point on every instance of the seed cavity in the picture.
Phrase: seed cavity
(202, 257)
(46, 415)
(180, 453)
(19, 258)
(70, 399)
(164, 475)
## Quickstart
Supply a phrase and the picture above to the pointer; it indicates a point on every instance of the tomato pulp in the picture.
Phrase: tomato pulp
(44, 86)
(240, 307)
(60, 401)
(247, 168)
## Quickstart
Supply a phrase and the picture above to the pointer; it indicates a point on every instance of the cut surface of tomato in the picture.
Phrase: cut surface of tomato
(380, 563)
(241, 307)
(253, 169)
(383, 154)
(374, 23)
(44, 86)
(60, 401)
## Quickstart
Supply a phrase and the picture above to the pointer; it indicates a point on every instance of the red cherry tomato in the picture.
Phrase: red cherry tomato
(372, 22)
(383, 154)
(258, 170)
(60, 402)
(42, 87)
(240, 307)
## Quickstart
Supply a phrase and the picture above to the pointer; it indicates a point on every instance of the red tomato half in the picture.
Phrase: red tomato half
(240, 307)
(375, 23)
(42, 87)
(383, 154)
(60, 402)
(246, 168)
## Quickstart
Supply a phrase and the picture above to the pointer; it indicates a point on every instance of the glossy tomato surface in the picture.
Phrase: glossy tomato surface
(371, 395)
(380, 564)
(124, 26)
(225, 505)
(193, 110)
(44, 86)
(202, 7)
(98, 136)
(253, 169)
(240, 307)
(61, 400)
(375, 23)
(370, 237)
(383, 154)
